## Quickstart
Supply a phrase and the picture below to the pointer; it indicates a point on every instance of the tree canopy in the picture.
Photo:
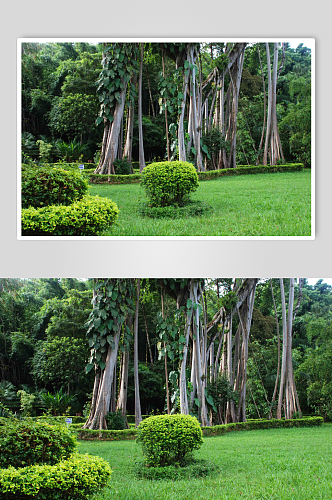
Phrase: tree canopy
(214, 104)
(209, 347)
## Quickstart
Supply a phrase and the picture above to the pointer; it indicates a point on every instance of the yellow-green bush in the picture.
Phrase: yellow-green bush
(168, 182)
(86, 217)
(43, 186)
(169, 439)
(74, 479)
(28, 442)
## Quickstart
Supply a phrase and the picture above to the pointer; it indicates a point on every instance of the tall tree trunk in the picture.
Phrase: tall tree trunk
(287, 392)
(138, 414)
(166, 368)
(140, 123)
(128, 147)
(122, 397)
(195, 118)
(198, 359)
(184, 408)
(245, 321)
(284, 348)
(181, 134)
(264, 112)
(147, 334)
(150, 93)
(111, 137)
(273, 147)
(235, 75)
(165, 104)
(278, 343)
(102, 388)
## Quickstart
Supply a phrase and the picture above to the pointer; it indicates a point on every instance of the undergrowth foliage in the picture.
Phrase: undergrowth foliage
(28, 442)
(169, 439)
(86, 217)
(38, 461)
(77, 478)
(43, 186)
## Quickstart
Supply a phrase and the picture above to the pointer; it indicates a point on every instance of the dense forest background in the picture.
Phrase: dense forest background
(60, 104)
(44, 347)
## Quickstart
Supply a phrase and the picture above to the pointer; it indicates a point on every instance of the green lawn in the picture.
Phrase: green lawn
(276, 464)
(246, 205)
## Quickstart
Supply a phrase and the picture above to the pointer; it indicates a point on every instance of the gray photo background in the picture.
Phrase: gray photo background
(154, 18)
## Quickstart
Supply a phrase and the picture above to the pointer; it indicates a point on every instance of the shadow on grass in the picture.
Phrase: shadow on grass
(189, 208)
(192, 469)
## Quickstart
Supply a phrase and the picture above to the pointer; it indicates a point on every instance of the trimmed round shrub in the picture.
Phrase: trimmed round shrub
(169, 439)
(169, 182)
(27, 442)
(77, 478)
(86, 217)
(43, 186)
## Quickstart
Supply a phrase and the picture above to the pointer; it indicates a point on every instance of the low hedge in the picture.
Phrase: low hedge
(76, 419)
(131, 418)
(253, 169)
(107, 435)
(215, 430)
(202, 176)
(113, 179)
(77, 478)
(87, 217)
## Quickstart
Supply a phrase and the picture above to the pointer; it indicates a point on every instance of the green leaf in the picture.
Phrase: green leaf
(204, 149)
(189, 304)
(103, 314)
(88, 367)
(97, 322)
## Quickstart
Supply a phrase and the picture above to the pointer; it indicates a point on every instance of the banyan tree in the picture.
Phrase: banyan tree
(204, 109)
(201, 352)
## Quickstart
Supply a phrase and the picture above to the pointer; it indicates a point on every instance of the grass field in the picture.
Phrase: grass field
(276, 464)
(246, 205)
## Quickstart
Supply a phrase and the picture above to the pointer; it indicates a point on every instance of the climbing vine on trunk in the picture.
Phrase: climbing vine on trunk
(112, 302)
(120, 63)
